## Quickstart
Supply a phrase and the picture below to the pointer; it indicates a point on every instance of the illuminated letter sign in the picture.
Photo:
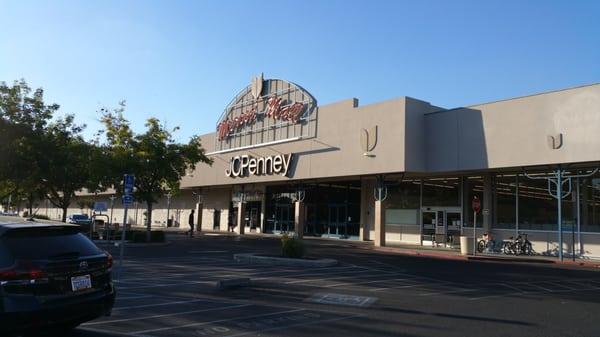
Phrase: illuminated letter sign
(245, 165)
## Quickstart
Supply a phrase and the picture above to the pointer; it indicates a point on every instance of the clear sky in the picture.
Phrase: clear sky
(183, 61)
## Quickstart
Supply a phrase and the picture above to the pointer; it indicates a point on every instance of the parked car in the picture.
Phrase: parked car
(52, 278)
(79, 219)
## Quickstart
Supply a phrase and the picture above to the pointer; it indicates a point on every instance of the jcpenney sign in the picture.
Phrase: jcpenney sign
(245, 165)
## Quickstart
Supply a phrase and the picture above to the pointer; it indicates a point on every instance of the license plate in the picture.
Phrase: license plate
(81, 282)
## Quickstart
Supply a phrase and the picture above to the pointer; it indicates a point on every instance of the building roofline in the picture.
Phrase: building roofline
(515, 98)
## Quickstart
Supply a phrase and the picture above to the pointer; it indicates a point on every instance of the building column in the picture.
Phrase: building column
(263, 211)
(299, 219)
(366, 209)
(241, 226)
(487, 202)
(379, 224)
(199, 208)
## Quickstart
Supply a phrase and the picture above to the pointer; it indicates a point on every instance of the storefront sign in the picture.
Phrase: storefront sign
(276, 108)
(265, 106)
(245, 165)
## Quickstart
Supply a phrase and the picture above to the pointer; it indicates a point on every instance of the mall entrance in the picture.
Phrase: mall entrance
(332, 209)
(441, 226)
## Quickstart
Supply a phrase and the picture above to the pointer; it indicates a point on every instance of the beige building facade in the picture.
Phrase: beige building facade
(402, 171)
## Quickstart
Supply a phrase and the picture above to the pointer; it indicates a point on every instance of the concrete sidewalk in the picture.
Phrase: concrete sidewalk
(454, 254)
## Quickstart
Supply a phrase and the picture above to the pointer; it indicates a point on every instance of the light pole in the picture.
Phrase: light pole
(112, 207)
(169, 195)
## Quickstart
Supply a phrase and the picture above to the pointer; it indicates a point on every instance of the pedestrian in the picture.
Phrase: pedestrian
(191, 222)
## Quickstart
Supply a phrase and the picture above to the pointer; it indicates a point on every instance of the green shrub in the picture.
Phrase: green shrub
(292, 247)
(41, 216)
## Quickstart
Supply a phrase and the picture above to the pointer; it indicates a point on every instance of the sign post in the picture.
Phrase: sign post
(128, 182)
(476, 205)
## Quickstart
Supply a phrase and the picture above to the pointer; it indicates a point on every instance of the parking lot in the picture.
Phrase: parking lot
(170, 291)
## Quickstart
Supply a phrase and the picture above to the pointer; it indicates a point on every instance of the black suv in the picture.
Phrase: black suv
(51, 276)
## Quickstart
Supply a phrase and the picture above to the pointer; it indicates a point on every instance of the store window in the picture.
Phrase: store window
(537, 209)
(403, 203)
(589, 191)
(441, 192)
(505, 201)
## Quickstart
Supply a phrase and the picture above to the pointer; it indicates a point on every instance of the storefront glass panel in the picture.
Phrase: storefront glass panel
(589, 191)
(332, 209)
(441, 192)
(505, 201)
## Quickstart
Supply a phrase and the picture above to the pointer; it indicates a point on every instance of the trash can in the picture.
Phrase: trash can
(466, 245)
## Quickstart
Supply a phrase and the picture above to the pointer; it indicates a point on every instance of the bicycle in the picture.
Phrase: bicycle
(518, 246)
(486, 244)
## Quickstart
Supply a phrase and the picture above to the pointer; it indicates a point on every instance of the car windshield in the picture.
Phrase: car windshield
(47, 242)
(79, 217)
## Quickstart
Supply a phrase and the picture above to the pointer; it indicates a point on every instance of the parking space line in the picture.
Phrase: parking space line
(120, 298)
(398, 287)
(143, 332)
(540, 287)
(366, 282)
(511, 287)
(556, 284)
(450, 292)
(327, 278)
(162, 304)
(295, 325)
(170, 284)
(166, 315)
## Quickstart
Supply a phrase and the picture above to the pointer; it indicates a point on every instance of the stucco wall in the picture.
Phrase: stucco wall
(334, 152)
(514, 132)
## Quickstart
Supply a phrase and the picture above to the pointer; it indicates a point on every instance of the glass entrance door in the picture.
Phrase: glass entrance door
(337, 226)
(440, 226)
(284, 221)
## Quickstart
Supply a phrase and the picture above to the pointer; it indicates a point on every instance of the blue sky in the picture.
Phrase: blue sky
(183, 61)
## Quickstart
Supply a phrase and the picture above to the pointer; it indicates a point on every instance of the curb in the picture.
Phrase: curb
(282, 261)
(508, 259)
(130, 244)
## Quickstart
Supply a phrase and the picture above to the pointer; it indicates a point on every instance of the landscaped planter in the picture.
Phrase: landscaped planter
(283, 261)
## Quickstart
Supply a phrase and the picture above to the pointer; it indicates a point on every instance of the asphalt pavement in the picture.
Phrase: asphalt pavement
(170, 291)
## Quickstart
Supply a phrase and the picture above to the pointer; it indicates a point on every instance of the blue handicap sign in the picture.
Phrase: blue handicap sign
(128, 181)
(127, 199)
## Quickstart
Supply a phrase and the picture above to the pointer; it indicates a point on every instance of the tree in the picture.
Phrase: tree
(156, 160)
(23, 120)
(67, 162)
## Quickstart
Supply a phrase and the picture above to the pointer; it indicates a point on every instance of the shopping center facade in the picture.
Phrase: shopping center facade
(401, 171)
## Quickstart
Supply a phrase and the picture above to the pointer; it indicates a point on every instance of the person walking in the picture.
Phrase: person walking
(191, 223)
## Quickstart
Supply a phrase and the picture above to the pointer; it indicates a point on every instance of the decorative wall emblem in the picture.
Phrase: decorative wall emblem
(368, 140)
(257, 84)
(555, 141)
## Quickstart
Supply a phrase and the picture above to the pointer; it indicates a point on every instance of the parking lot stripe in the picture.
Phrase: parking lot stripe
(540, 287)
(294, 325)
(120, 298)
(143, 332)
(366, 282)
(511, 287)
(166, 315)
(327, 278)
(162, 304)
(173, 284)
